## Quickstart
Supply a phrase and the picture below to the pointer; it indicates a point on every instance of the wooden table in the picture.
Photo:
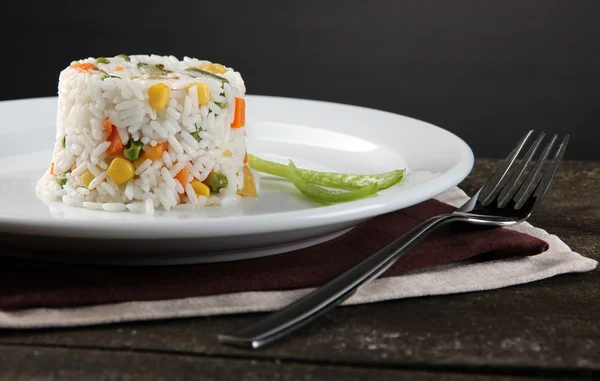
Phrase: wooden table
(544, 330)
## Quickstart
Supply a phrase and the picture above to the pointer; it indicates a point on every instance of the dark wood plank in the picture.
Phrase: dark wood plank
(49, 364)
(550, 324)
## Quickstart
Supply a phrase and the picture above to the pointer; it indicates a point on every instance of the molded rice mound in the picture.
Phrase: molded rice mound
(145, 132)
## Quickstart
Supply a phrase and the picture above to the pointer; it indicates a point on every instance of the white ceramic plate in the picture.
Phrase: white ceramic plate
(316, 135)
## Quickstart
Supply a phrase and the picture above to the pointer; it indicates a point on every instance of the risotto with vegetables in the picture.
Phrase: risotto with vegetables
(145, 132)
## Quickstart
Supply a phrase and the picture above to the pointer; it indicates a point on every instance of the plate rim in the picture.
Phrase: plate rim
(288, 220)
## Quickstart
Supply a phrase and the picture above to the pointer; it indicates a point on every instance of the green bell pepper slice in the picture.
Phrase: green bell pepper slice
(325, 195)
(329, 179)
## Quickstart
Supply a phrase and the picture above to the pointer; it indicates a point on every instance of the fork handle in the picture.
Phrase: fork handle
(309, 307)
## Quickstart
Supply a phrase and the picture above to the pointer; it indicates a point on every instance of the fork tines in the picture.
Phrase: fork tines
(518, 181)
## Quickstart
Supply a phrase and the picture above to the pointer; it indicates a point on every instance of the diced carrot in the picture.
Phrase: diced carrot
(108, 127)
(74, 167)
(165, 146)
(116, 146)
(183, 176)
(83, 67)
(240, 113)
(119, 68)
(154, 153)
(52, 168)
(246, 157)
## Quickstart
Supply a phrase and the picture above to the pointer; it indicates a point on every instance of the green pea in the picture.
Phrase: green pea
(125, 57)
(216, 181)
(133, 150)
(61, 179)
(221, 104)
(102, 60)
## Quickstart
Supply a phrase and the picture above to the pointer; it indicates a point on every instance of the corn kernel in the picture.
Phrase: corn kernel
(86, 178)
(200, 189)
(214, 68)
(159, 96)
(120, 170)
(203, 93)
(227, 153)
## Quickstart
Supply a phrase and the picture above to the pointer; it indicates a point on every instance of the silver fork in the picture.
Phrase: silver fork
(508, 197)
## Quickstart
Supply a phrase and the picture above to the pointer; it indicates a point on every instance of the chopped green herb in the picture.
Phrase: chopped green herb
(100, 70)
(125, 57)
(157, 70)
(216, 181)
(64, 141)
(221, 104)
(196, 135)
(109, 76)
(102, 60)
(195, 72)
(133, 149)
(158, 77)
(161, 67)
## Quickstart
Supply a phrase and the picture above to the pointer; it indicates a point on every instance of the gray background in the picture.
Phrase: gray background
(485, 70)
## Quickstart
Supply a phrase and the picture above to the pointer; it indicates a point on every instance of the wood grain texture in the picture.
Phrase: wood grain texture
(551, 326)
(54, 364)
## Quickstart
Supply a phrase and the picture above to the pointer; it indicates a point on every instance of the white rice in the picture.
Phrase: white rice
(97, 180)
(149, 206)
(93, 205)
(114, 206)
(88, 96)
(137, 207)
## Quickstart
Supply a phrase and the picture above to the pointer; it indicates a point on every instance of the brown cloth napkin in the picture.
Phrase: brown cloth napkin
(30, 284)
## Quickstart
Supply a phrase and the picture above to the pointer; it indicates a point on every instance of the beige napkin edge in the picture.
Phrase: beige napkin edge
(440, 280)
